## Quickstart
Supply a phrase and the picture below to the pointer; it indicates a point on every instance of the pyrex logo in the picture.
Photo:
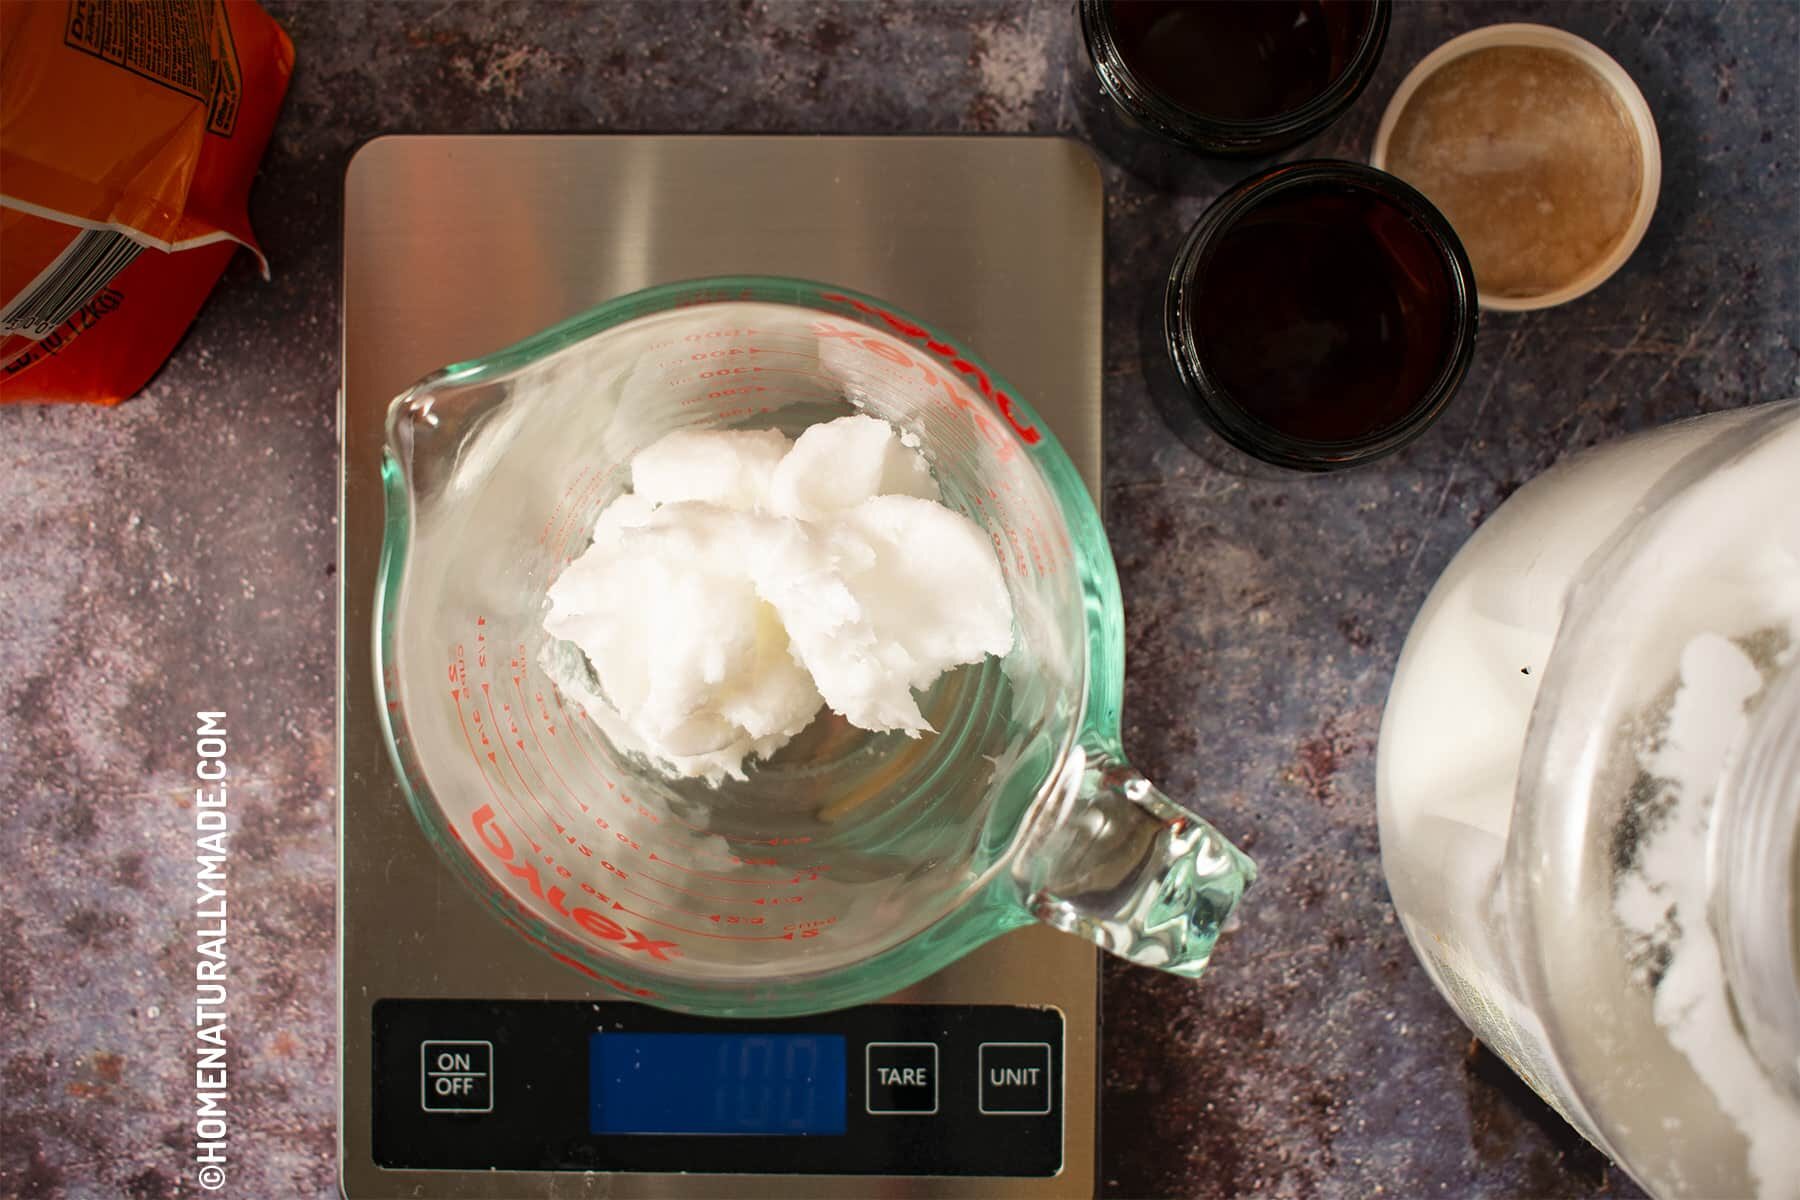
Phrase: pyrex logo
(494, 839)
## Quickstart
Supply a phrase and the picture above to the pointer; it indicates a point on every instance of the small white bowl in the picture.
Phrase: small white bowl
(1545, 38)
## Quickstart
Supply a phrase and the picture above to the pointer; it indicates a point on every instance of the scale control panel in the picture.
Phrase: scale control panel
(886, 1089)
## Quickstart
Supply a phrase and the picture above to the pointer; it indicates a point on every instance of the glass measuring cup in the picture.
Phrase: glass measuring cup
(851, 864)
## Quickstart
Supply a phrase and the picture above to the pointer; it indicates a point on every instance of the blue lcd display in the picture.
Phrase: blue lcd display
(716, 1083)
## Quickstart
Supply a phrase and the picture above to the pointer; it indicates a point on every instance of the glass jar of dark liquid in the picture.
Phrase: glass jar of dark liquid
(1233, 77)
(1318, 316)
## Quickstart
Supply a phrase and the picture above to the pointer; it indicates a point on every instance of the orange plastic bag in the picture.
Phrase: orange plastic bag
(129, 133)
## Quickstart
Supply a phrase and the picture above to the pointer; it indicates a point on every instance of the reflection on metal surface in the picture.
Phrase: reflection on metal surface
(454, 247)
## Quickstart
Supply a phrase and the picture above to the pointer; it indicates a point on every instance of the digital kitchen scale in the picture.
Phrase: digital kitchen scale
(469, 1064)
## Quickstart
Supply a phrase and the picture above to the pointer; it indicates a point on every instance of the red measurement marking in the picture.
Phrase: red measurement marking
(705, 916)
(575, 736)
(734, 860)
(474, 754)
(724, 879)
(908, 329)
(707, 335)
(575, 510)
(675, 887)
(487, 698)
(544, 712)
(518, 686)
(551, 520)
(641, 809)
(784, 841)
(741, 860)
(679, 820)
(721, 937)
(810, 376)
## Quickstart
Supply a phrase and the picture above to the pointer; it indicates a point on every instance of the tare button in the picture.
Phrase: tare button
(1015, 1078)
(456, 1077)
(903, 1078)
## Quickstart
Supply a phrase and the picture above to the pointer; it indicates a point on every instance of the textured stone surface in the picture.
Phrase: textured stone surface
(177, 554)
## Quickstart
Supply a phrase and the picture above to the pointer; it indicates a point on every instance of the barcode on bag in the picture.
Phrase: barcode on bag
(82, 269)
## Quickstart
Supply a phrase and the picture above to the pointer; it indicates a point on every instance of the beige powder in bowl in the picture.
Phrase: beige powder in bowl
(1532, 158)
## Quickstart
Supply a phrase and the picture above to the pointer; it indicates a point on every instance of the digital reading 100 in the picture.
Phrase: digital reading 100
(716, 1083)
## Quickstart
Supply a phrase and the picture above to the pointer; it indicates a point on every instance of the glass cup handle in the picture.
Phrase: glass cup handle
(1107, 856)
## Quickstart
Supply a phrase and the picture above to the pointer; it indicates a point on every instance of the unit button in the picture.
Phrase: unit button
(456, 1077)
(902, 1078)
(1015, 1078)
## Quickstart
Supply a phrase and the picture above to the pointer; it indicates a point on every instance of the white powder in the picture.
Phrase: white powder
(747, 582)
(1664, 898)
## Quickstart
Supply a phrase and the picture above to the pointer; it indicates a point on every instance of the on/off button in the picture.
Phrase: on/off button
(456, 1077)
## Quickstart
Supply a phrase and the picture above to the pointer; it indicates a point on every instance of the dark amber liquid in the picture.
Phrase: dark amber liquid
(1324, 313)
(1238, 59)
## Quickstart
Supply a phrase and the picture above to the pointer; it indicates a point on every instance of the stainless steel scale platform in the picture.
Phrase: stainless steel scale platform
(457, 246)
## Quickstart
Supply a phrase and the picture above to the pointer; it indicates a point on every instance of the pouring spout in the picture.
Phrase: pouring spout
(1107, 856)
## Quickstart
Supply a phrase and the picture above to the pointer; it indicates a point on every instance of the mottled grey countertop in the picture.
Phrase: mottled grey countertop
(176, 554)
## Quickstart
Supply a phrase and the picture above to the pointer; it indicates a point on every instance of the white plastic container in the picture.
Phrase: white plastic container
(1589, 797)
